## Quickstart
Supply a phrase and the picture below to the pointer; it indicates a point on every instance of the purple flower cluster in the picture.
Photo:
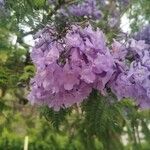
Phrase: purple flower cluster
(144, 34)
(2, 3)
(87, 8)
(69, 68)
(134, 81)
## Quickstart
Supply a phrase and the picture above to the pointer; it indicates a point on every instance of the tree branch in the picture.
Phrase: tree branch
(47, 17)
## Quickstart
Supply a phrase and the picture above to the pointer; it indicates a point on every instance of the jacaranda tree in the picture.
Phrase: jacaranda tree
(83, 74)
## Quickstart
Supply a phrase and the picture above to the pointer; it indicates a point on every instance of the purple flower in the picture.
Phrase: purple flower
(133, 80)
(122, 87)
(144, 34)
(119, 51)
(68, 68)
(87, 8)
(138, 47)
(2, 3)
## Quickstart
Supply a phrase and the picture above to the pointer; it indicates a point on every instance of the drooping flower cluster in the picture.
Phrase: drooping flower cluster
(68, 68)
(85, 8)
(134, 81)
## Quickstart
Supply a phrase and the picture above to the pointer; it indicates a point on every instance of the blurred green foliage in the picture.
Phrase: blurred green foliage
(95, 125)
(139, 14)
